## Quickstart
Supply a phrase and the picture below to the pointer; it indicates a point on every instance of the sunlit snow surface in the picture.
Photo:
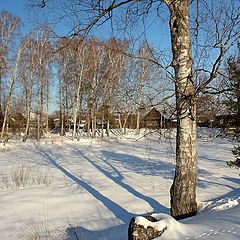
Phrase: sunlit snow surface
(98, 185)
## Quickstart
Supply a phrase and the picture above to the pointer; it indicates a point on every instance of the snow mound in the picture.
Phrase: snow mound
(220, 204)
(217, 220)
(165, 223)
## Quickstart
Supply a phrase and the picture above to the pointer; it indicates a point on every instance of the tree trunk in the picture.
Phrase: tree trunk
(39, 110)
(7, 109)
(183, 190)
(75, 112)
(94, 122)
(89, 114)
(120, 122)
(125, 122)
(108, 128)
(161, 122)
(76, 104)
(47, 105)
(138, 122)
(27, 127)
(29, 109)
(238, 96)
(102, 129)
(62, 110)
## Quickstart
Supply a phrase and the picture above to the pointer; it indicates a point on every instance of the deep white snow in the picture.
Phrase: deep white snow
(94, 188)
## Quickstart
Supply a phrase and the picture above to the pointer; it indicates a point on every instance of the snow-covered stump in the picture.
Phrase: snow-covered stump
(143, 228)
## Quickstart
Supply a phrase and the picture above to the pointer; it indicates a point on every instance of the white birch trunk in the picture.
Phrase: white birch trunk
(183, 190)
(39, 110)
(89, 121)
(120, 122)
(138, 122)
(62, 110)
(27, 126)
(29, 108)
(125, 122)
(94, 124)
(102, 133)
(75, 111)
(76, 104)
(108, 128)
(47, 105)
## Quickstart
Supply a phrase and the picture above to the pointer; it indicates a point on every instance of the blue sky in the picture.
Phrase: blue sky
(157, 33)
(17, 8)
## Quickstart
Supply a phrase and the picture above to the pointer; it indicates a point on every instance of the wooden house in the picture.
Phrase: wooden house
(17, 121)
(155, 120)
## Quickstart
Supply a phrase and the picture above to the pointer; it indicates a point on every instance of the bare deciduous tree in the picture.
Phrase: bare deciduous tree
(9, 24)
(13, 79)
(44, 53)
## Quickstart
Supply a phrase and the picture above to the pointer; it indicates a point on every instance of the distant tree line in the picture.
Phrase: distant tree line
(87, 77)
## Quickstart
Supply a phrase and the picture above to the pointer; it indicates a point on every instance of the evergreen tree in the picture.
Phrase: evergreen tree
(236, 162)
(232, 87)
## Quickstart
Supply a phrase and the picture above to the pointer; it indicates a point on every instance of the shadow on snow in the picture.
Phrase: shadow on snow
(118, 178)
(116, 232)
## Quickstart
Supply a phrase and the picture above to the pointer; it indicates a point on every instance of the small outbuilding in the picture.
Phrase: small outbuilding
(155, 120)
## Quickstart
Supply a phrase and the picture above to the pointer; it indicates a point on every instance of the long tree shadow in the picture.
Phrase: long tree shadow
(234, 180)
(117, 210)
(117, 177)
(203, 183)
(118, 232)
(223, 202)
(157, 207)
(134, 144)
(232, 194)
(142, 166)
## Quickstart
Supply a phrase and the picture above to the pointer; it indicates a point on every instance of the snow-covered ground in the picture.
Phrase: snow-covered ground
(93, 187)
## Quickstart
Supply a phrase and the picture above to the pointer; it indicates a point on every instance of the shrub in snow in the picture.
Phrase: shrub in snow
(40, 230)
(21, 176)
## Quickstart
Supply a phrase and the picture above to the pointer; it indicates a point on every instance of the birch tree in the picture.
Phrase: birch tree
(99, 67)
(116, 60)
(61, 59)
(80, 72)
(44, 56)
(225, 26)
(183, 190)
(9, 25)
(10, 88)
(29, 69)
(143, 78)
